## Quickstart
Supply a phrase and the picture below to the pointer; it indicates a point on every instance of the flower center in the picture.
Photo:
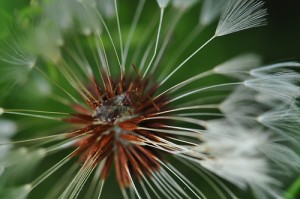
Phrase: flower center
(116, 107)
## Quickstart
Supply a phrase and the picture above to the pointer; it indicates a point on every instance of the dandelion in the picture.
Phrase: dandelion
(111, 98)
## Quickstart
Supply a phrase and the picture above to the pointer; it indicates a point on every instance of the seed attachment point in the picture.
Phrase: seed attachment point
(163, 3)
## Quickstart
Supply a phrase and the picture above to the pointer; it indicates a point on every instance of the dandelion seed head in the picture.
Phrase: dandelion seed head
(109, 90)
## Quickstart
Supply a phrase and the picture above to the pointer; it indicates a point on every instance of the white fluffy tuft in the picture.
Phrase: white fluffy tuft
(247, 156)
(284, 120)
(240, 15)
(239, 66)
(274, 68)
(236, 154)
(241, 105)
(281, 85)
(240, 171)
